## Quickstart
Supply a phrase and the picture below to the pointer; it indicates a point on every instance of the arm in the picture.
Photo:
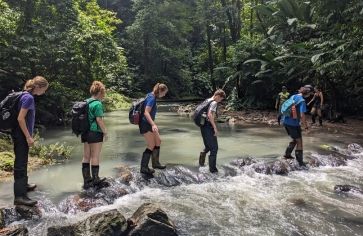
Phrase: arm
(322, 100)
(303, 121)
(22, 125)
(277, 102)
(101, 124)
(149, 119)
(211, 116)
(311, 100)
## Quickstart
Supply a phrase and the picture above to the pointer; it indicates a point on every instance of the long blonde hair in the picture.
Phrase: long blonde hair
(39, 81)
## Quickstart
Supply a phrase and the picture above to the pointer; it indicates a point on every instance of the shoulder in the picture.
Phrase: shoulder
(26, 99)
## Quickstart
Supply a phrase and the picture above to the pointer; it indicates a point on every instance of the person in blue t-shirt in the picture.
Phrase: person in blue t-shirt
(293, 127)
(22, 136)
(150, 131)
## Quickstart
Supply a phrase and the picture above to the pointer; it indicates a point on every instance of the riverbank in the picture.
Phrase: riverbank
(39, 155)
(346, 125)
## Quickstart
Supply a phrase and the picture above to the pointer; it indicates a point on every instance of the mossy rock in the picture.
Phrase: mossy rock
(6, 161)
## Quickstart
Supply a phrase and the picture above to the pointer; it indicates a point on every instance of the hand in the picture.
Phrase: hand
(105, 137)
(276, 107)
(30, 141)
(155, 128)
(215, 132)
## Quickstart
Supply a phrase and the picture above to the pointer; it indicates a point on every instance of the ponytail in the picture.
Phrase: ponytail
(39, 81)
(158, 88)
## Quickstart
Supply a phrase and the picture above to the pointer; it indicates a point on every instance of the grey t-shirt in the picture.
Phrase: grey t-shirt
(213, 105)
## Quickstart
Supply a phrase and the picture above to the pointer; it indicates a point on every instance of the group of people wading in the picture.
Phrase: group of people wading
(22, 134)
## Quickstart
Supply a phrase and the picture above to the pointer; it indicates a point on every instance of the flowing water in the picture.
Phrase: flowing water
(243, 203)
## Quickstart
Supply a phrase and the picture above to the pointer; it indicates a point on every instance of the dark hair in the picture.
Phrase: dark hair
(97, 87)
(158, 88)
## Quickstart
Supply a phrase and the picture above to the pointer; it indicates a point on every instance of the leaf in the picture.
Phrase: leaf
(316, 57)
(270, 29)
(254, 60)
(291, 21)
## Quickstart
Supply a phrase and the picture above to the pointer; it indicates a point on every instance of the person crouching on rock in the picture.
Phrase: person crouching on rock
(293, 127)
(94, 138)
(150, 131)
(209, 132)
(22, 136)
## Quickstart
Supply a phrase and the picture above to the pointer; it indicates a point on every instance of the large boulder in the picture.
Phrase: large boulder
(150, 220)
(14, 231)
(110, 222)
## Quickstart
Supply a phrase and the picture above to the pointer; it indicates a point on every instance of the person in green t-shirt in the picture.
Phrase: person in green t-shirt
(281, 98)
(94, 138)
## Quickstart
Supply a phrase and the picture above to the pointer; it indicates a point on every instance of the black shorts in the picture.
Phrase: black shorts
(293, 131)
(145, 127)
(92, 137)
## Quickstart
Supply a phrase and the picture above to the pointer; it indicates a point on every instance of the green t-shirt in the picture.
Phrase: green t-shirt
(283, 96)
(95, 109)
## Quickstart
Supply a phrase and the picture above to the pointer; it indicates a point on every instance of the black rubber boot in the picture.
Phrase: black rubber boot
(86, 173)
(30, 187)
(212, 164)
(313, 118)
(145, 163)
(155, 159)
(279, 119)
(20, 190)
(202, 156)
(299, 157)
(320, 121)
(289, 150)
(96, 180)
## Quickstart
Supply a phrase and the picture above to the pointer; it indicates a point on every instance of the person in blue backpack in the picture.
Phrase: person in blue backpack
(150, 130)
(209, 132)
(293, 125)
(22, 136)
(94, 138)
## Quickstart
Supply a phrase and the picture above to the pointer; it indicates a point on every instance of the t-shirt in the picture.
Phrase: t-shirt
(283, 96)
(150, 101)
(213, 105)
(95, 109)
(27, 102)
(301, 107)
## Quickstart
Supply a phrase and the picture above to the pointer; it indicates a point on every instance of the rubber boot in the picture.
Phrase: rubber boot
(212, 164)
(96, 180)
(320, 121)
(299, 157)
(289, 150)
(313, 118)
(20, 190)
(155, 159)
(30, 187)
(202, 156)
(87, 180)
(145, 163)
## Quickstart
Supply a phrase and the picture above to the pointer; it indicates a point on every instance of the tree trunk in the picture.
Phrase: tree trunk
(210, 57)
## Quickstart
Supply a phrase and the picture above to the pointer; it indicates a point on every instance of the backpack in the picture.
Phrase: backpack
(9, 111)
(136, 111)
(200, 112)
(80, 123)
(289, 106)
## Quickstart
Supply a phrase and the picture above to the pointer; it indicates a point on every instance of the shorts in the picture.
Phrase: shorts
(92, 137)
(293, 131)
(145, 127)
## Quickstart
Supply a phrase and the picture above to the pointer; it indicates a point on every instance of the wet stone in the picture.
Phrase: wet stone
(14, 231)
(347, 188)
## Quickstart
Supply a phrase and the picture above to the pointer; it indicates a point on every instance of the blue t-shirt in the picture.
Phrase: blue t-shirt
(150, 101)
(301, 107)
(27, 102)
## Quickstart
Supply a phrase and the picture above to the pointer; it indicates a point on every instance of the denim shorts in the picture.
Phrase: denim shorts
(92, 137)
(293, 131)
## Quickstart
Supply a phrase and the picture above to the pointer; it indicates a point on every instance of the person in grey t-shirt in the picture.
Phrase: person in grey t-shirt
(210, 132)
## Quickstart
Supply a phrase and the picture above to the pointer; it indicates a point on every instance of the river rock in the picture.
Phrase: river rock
(347, 188)
(14, 231)
(110, 222)
(2, 220)
(150, 220)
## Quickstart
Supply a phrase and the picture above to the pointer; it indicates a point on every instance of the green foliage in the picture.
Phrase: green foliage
(115, 101)
(50, 153)
(6, 161)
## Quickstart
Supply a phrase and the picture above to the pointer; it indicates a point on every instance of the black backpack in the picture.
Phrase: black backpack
(80, 123)
(9, 111)
(136, 111)
(201, 108)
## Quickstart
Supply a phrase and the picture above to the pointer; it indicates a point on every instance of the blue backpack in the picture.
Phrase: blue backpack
(286, 107)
